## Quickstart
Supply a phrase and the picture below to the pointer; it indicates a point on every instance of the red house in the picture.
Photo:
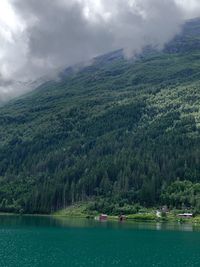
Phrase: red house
(103, 217)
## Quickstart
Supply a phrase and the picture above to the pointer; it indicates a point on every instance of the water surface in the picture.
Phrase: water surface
(45, 241)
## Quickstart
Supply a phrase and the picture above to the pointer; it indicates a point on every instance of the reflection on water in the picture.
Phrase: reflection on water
(44, 241)
(66, 222)
(59, 221)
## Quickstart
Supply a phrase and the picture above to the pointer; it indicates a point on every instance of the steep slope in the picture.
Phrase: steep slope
(120, 130)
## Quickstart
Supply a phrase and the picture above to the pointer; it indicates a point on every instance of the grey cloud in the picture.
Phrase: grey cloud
(58, 33)
(4, 82)
(61, 35)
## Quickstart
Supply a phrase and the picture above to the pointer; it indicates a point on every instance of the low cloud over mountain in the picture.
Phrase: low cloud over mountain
(37, 37)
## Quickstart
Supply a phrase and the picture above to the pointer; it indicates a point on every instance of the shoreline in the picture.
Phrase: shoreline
(112, 218)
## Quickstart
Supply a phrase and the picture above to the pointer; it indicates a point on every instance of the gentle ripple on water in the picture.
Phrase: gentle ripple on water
(46, 242)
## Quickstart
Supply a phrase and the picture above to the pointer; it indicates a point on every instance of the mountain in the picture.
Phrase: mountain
(119, 132)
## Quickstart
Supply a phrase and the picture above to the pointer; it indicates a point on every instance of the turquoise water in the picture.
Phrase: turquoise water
(44, 241)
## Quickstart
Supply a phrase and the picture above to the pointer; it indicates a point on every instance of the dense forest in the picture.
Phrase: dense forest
(123, 131)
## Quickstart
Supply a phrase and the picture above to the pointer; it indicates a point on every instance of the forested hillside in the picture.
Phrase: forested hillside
(117, 130)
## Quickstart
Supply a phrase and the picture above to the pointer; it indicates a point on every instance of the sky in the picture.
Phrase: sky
(39, 37)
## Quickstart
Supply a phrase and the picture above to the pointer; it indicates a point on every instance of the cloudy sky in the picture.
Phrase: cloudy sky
(38, 37)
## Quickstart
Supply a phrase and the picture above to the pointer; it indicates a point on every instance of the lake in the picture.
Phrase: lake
(45, 241)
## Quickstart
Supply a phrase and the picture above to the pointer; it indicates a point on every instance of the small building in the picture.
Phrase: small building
(122, 218)
(103, 217)
(165, 209)
(158, 214)
(185, 215)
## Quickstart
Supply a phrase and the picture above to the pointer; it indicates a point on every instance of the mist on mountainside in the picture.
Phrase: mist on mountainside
(37, 39)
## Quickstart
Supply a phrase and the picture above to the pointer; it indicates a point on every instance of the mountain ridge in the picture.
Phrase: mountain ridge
(120, 131)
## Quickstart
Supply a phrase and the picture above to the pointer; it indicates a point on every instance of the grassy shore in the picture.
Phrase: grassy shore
(80, 211)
